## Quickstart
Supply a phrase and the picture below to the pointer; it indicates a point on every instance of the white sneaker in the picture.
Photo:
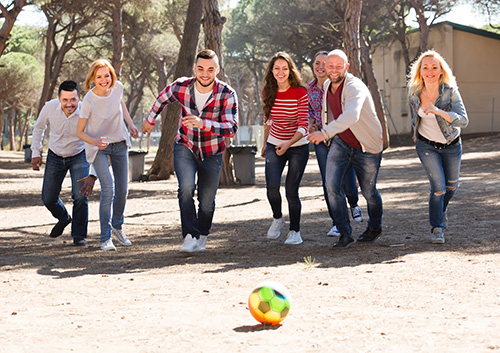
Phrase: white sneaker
(437, 236)
(274, 230)
(334, 232)
(293, 238)
(108, 245)
(356, 214)
(190, 244)
(121, 238)
(202, 243)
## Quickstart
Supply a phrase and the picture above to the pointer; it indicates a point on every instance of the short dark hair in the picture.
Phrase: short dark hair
(207, 54)
(69, 86)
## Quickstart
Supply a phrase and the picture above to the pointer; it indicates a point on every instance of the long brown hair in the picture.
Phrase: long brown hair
(271, 85)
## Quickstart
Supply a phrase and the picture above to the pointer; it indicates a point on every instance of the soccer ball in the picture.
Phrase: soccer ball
(269, 303)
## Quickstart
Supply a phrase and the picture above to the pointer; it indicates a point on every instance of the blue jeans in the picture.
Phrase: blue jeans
(350, 187)
(56, 168)
(113, 193)
(297, 159)
(442, 167)
(341, 159)
(186, 167)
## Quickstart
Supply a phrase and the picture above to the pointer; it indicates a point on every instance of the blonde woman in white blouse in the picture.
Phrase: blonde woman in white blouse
(102, 127)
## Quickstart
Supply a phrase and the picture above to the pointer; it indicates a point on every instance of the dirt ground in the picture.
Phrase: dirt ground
(400, 294)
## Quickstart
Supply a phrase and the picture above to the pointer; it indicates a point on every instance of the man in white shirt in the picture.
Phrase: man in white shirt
(66, 152)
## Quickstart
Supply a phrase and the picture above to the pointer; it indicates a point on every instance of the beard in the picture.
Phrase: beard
(339, 78)
(69, 109)
(205, 84)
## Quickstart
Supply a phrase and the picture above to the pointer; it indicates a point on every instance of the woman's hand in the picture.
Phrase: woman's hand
(431, 108)
(282, 148)
(102, 144)
(313, 127)
(134, 132)
(263, 151)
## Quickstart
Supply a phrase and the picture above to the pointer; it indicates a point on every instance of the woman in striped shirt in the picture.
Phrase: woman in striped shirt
(285, 130)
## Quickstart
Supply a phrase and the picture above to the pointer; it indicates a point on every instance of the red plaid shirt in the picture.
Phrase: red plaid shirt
(219, 115)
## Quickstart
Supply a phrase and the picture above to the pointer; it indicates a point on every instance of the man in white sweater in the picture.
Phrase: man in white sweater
(66, 153)
(353, 129)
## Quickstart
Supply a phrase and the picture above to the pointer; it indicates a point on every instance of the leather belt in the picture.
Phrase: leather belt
(438, 144)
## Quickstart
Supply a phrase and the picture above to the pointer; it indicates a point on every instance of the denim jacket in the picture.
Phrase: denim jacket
(449, 100)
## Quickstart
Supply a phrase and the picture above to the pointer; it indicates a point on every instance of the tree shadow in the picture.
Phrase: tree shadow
(242, 244)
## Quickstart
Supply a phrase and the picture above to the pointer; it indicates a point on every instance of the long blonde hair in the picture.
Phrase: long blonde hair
(416, 81)
(96, 65)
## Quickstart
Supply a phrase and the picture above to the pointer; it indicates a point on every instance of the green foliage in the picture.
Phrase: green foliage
(259, 28)
(309, 262)
(21, 81)
(25, 39)
(494, 28)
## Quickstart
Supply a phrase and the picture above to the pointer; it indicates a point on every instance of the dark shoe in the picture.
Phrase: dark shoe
(59, 228)
(79, 242)
(370, 235)
(344, 241)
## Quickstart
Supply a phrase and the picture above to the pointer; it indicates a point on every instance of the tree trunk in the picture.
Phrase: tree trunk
(163, 165)
(352, 18)
(422, 22)
(371, 81)
(11, 116)
(50, 36)
(117, 36)
(10, 17)
(2, 123)
(61, 37)
(401, 35)
(212, 28)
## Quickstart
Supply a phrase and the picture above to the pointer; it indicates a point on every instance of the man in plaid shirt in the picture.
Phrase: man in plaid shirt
(209, 113)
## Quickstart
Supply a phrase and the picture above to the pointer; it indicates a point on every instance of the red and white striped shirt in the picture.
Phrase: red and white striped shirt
(289, 115)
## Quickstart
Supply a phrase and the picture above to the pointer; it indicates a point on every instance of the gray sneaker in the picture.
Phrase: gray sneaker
(334, 232)
(437, 236)
(293, 238)
(190, 244)
(121, 238)
(275, 228)
(108, 245)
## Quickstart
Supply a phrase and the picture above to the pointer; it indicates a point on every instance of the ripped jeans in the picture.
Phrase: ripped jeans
(442, 167)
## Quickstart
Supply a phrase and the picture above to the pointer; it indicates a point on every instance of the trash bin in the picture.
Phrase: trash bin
(244, 163)
(136, 164)
(27, 153)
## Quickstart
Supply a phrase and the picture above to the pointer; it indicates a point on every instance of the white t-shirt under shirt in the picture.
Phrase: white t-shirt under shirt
(429, 127)
(200, 98)
(104, 119)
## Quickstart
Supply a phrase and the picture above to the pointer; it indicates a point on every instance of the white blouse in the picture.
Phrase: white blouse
(429, 127)
(104, 119)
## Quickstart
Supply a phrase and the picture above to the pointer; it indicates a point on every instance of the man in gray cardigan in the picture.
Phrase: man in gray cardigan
(352, 127)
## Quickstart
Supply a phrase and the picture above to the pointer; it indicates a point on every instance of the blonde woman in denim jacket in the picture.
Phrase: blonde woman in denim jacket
(438, 114)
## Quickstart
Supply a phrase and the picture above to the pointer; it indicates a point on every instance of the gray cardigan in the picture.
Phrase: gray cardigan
(358, 114)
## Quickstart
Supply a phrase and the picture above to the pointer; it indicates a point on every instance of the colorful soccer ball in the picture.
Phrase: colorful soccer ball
(269, 303)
